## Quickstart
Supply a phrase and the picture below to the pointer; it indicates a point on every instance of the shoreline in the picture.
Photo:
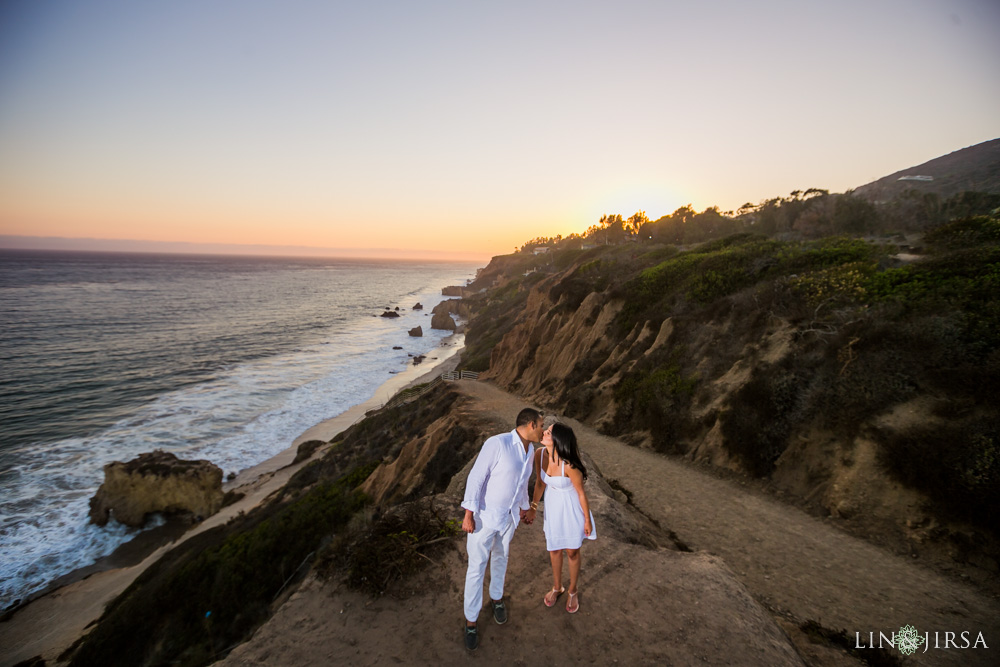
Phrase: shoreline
(441, 360)
(51, 620)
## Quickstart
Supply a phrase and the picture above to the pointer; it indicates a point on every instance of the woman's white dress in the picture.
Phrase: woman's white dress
(563, 524)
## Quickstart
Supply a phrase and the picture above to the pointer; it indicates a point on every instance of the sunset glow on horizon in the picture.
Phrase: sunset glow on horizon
(464, 129)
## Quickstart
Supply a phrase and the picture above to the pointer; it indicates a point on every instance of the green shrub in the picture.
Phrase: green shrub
(845, 283)
(956, 463)
(761, 416)
(702, 275)
(395, 546)
(968, 232)
(215, 589)
(656, 399)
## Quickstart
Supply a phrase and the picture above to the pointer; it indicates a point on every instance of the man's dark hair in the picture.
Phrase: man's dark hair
(527, 416)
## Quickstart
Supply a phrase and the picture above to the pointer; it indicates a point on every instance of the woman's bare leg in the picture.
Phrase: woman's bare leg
(573, 555)
(556, 558)
(573, 603)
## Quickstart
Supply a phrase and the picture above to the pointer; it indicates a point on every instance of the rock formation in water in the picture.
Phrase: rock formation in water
(416, 332)
(442, 318)
(156, 482)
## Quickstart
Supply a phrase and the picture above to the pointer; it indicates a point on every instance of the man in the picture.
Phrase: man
(496, 498)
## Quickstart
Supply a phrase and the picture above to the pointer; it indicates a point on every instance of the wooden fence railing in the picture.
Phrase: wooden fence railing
(414, 393)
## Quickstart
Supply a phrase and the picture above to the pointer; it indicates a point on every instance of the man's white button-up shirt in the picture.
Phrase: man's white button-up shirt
(498, 483)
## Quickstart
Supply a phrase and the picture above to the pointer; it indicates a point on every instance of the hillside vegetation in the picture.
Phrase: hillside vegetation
(858, 378)
(210, 593)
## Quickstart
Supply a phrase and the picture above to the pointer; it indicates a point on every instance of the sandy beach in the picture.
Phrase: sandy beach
(51, 622)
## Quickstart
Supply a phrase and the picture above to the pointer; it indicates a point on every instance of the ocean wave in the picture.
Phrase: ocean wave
(244, 414)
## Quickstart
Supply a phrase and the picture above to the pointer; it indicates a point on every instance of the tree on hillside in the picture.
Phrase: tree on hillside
(854, 215)
(709, 224)
(610, 229)
(635, 222)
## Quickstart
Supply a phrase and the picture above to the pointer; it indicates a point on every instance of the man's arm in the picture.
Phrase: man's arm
(478, 477)
(523, 501)
(529, 516)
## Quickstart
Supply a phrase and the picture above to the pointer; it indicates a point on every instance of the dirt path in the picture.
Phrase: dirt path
(792, 562)
(638, 606)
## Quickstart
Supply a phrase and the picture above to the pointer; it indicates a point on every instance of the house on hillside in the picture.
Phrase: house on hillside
(541, 250)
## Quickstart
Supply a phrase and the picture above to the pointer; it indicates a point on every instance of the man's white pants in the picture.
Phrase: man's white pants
(480, 545)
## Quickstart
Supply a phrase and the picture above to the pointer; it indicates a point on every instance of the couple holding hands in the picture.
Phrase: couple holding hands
(496, 500)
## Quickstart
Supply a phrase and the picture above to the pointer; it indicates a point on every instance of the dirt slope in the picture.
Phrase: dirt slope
(799, 566)
(638, 605)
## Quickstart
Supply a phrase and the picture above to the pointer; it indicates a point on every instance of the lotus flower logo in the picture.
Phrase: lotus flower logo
(908, 640)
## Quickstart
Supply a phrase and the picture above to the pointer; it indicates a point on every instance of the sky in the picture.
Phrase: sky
(463, 129)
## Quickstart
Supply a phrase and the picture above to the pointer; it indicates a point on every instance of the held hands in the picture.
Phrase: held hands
(528, 516)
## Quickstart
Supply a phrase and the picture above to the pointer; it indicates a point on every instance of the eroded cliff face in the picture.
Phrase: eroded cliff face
(745, 384)
(426, 461)
(548, 342)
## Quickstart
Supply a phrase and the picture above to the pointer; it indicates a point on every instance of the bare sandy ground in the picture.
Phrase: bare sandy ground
(50, 624)
(638, 605)
(800, 567)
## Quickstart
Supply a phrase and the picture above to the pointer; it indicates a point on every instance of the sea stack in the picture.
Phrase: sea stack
(442, 317)
(156, 482)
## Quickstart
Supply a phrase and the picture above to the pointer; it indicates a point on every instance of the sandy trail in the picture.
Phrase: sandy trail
(794, 563)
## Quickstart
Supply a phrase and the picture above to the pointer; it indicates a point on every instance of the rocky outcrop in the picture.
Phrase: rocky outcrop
(442, 318)
(416, 332)
(156, 482)
(390, 313)
(443, 321)
(418, 306)
(458, 307)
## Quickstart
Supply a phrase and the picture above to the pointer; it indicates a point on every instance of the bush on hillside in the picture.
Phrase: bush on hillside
(211, 592)
(761, 416)
(956, 463)
(389, 548)
(656, 398)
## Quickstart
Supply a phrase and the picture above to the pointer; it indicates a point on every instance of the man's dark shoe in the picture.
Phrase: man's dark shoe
(499, 612)
(471, 637)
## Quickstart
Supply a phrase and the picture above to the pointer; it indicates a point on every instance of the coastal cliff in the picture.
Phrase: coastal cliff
(853, 380)
(847, 379)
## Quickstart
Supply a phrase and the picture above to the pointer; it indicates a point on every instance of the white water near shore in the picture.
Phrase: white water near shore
(243, 415)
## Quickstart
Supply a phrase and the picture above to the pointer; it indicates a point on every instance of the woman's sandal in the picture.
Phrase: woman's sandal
(557, 591)
(570, 601)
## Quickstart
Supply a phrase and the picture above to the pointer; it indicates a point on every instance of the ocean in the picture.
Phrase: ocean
(106, 356)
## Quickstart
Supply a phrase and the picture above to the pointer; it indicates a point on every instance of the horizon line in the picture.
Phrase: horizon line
(87, 244)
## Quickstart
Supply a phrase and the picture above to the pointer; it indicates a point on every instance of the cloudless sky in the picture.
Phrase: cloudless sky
(465, 126)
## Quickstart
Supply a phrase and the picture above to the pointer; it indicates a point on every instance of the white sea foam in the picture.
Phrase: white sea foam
(245, 415)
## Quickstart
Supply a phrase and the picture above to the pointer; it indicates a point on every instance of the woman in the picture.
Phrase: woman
(567, 513)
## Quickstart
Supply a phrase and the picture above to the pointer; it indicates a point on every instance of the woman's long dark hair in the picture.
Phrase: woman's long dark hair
(564, 441)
